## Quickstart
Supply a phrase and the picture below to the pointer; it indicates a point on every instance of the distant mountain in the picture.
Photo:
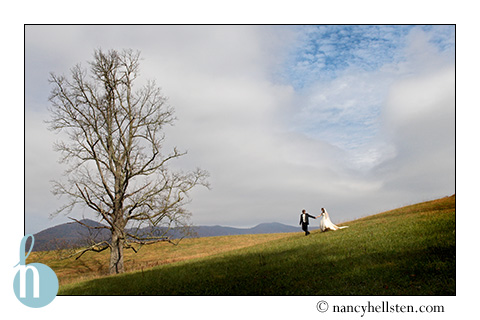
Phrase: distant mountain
(67, 235)
(213, 231)
(73, 234)
(274, 227)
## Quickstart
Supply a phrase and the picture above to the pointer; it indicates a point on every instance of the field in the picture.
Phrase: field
(407, 251)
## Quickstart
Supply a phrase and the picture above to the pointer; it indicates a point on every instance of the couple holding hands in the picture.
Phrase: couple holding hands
(325, 223)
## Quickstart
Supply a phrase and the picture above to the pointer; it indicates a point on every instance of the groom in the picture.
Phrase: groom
(304, 221)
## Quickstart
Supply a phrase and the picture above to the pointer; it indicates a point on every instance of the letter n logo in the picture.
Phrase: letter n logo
(23, 283)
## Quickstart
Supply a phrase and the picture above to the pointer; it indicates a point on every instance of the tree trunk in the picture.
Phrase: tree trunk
(116, 253)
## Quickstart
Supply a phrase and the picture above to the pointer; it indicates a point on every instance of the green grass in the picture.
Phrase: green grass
(408, 251)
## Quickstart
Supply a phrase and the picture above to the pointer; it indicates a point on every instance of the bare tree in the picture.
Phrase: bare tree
(114, 152)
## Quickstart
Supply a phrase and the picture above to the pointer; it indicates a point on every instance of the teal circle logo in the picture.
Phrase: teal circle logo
(35, 284)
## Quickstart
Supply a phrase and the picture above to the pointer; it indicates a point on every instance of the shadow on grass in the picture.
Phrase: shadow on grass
(293, 271)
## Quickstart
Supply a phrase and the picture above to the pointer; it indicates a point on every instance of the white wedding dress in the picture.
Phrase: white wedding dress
(326, 224)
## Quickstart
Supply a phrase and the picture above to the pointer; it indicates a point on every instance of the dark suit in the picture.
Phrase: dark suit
(304, 223)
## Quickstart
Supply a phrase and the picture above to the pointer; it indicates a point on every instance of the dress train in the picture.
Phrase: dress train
(326, 224)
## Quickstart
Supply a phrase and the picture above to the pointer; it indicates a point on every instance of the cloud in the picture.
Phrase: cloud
(283, 118)
(420, 117)
(41, 167)
(429, 94)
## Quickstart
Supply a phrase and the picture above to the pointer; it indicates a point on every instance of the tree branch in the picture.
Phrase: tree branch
(86, 225)
(97, 247)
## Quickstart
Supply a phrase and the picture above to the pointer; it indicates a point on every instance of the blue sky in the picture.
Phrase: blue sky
(357, 119)
(322, 52)
(364, 60)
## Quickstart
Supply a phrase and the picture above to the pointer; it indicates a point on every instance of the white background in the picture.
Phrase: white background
(15, 15)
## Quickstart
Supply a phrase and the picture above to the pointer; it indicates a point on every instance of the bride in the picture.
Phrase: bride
(325, 222)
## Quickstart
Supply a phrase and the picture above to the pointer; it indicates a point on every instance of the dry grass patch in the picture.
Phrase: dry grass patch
(94, 265)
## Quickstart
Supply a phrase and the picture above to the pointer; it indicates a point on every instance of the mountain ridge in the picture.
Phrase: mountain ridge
(73, 234)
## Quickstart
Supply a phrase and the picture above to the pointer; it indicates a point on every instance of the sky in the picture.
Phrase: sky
(358, 119)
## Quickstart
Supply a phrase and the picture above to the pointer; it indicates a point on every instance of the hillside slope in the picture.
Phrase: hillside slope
(407, 251)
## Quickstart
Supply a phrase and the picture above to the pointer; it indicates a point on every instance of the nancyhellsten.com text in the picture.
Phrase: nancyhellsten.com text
(383, 307)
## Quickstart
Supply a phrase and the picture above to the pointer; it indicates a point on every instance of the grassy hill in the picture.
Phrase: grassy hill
(407, 251)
